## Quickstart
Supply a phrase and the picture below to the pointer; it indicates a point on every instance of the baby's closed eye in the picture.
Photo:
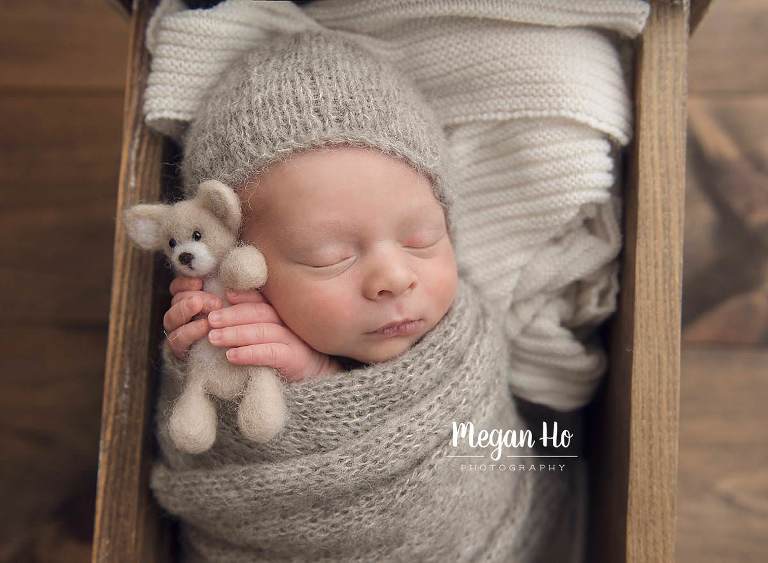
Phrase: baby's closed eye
(424, 240)
(419, 242)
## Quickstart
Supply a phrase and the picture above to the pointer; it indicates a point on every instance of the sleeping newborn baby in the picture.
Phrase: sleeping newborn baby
(360, 264)
(344, 178)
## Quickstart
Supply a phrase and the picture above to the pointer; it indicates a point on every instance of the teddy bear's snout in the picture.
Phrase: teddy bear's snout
(186, 258)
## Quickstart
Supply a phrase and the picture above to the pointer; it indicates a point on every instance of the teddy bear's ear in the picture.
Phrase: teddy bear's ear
(143, 222)
(222, 201)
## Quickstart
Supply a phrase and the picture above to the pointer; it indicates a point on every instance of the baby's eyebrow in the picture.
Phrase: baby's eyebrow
(328, 227)
(340, 226)
(315, 232)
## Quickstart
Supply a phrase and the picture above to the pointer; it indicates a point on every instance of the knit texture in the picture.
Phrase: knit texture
(361, 471)
(533, 116)
(306, 90)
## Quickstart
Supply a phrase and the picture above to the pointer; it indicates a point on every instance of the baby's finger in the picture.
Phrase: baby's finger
(243, 335)
(244, 313)
(250, 296)
(274, 354)
(184, 283)
(183, 337)
(211, 302)
(182, 312)
(181, 295)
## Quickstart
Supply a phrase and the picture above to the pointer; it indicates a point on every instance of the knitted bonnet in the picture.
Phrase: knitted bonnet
(307, 90)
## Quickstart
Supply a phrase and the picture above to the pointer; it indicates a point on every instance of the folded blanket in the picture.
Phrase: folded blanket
(365, 468)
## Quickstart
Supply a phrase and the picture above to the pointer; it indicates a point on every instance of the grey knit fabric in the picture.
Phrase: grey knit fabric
(305, 90)
(362, 471)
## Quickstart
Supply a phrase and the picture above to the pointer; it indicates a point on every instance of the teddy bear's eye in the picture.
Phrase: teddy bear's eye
(197, 235)
(172, 242)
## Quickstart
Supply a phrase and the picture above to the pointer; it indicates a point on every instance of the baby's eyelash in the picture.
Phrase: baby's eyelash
(427, 245)
(329, 265)
(424, 247)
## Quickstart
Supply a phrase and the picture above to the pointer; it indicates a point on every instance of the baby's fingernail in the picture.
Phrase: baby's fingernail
(214, 335)
(232, 354)
(214, 316)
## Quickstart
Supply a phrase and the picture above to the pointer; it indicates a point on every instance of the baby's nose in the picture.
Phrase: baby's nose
(186, 258)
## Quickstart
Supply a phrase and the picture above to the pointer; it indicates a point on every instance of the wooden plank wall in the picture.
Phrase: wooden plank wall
(723, 473)
(62, 71)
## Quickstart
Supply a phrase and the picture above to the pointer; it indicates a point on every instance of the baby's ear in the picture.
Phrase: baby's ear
(222, 201)
(143, 223)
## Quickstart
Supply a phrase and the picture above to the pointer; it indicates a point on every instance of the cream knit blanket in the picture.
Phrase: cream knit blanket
(364, 469)
(533, 97)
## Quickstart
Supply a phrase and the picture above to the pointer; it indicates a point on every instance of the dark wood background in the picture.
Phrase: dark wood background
(61, 91)
(723, 466)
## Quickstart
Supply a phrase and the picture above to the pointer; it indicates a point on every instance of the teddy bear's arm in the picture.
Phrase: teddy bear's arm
(243, 268)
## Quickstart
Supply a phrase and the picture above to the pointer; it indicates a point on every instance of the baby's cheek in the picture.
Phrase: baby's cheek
(318, 316)
(333, 319)
(444, 281)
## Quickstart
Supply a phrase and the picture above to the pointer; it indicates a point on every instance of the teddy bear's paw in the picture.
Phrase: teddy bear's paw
(262, 411)
(243, 268)
(192, 426)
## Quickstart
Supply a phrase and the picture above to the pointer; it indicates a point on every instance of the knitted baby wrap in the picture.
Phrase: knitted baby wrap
(364, 470)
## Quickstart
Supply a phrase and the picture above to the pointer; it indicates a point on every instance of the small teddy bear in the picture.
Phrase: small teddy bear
(199, 237)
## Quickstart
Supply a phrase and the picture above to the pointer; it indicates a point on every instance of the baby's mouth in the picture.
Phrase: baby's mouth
(399, 328)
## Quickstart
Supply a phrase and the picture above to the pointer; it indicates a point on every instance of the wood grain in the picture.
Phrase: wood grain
(58, 169)
(635, 421)
(128, 525)
(723, 483)
(655, 288)
(746, 311)
(728, 150)
(63, 47)
(51, 390)
(729, 50)
(736, 184)
(59, 157)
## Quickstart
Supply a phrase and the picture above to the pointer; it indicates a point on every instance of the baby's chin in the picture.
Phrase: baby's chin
(377, 349)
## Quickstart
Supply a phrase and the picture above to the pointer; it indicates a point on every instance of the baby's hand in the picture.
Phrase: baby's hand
(182, 329)
(256, 336)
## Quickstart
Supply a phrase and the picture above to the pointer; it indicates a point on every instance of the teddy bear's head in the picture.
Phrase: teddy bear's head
(195, 234)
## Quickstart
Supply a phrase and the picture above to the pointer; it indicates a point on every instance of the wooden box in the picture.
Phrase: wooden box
(632, 437)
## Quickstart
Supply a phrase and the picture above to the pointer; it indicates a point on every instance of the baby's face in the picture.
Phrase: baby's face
(353, 240)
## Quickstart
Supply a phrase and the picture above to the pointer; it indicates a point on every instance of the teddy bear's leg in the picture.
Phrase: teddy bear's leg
(262, 411)
(192, 425)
